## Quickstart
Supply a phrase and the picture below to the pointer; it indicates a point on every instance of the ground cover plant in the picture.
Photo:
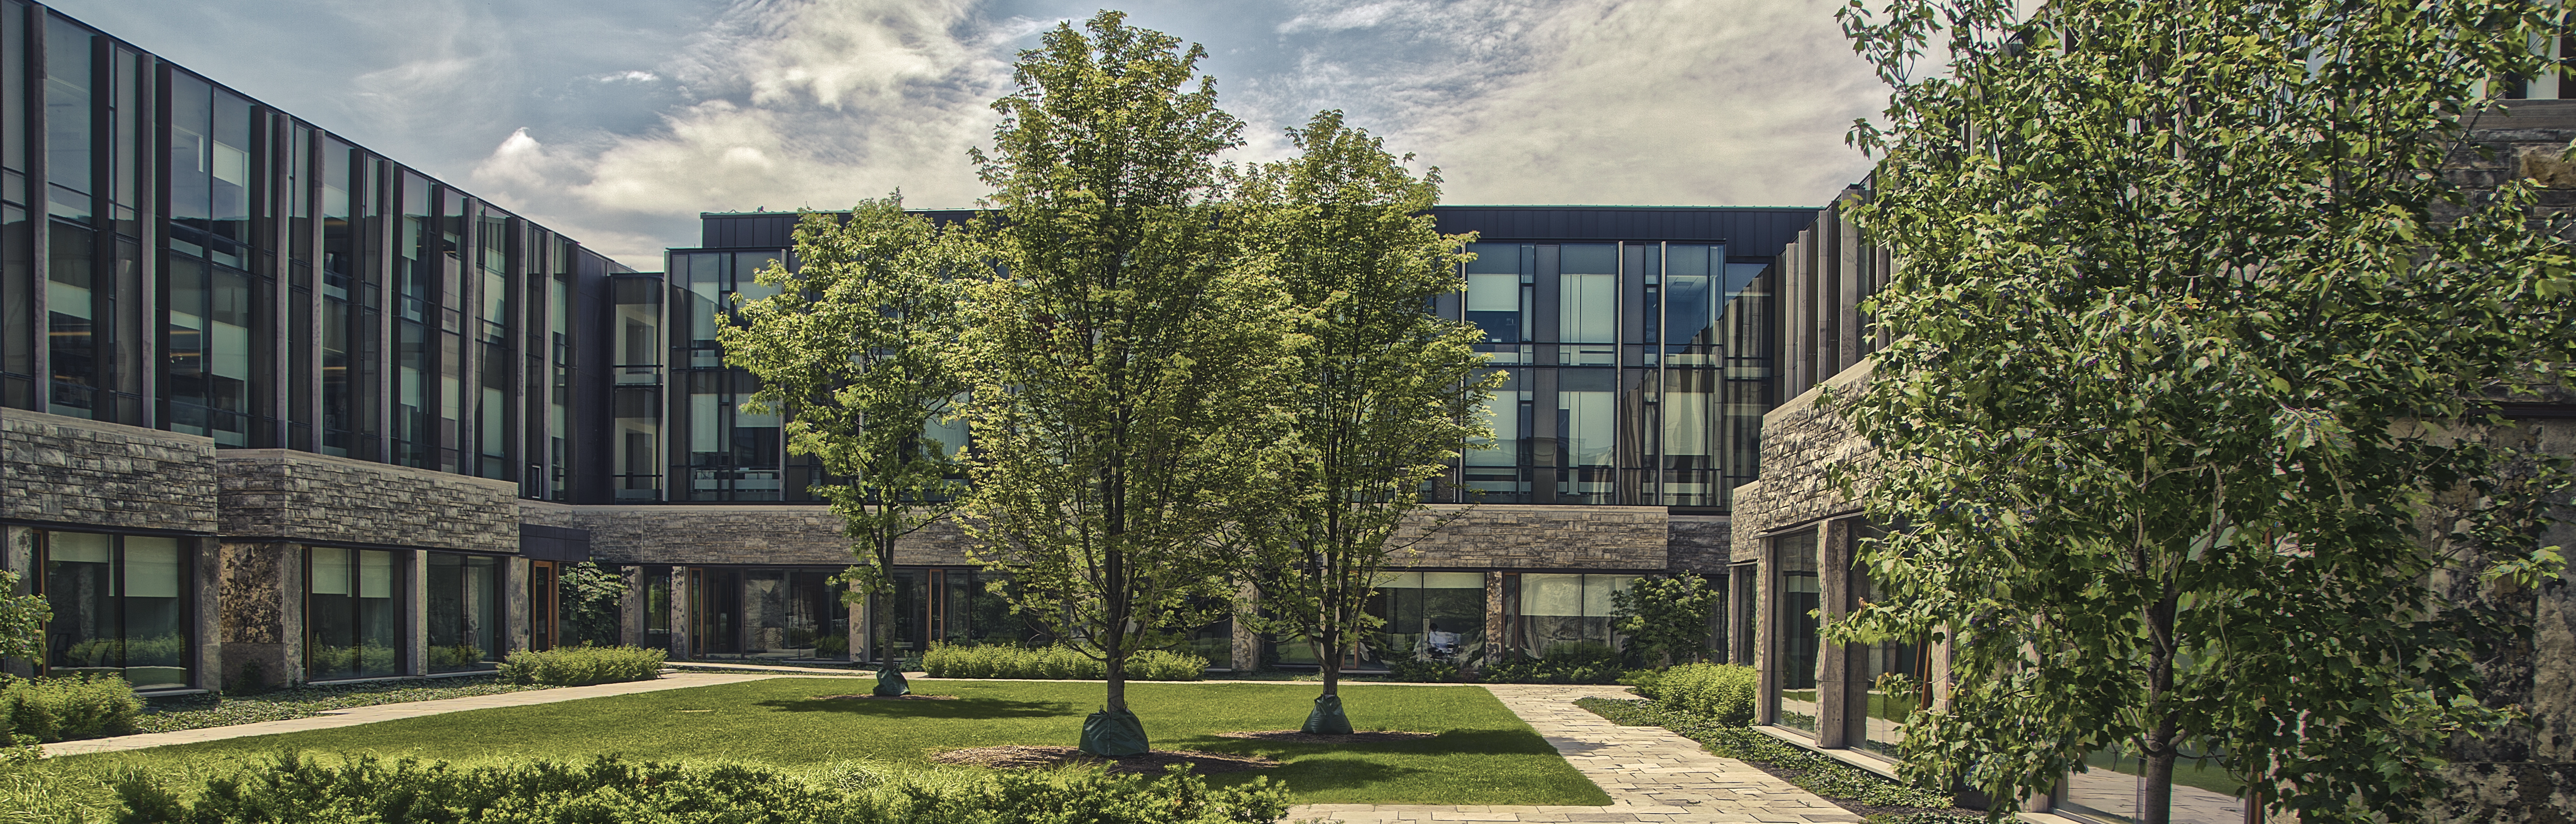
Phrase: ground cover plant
(1838, 782)
(578, 666)
(192, 712)
(1053, 662)
(366, 789)
(1482, 754)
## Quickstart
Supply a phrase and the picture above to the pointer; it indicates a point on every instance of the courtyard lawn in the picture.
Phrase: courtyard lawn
(1481, 755)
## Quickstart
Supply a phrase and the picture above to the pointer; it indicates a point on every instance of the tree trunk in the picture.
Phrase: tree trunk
(1331, 662)
(1117, 661)
(2155, 779)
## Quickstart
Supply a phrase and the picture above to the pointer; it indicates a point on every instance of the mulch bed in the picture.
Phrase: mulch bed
(1299, 737)
(866, 697)
(1151, 763)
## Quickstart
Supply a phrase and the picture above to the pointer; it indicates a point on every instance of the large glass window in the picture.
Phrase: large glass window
(1587, 426)
(793, 613)
(1587, 308)
(657, 607)
(1566, 613)
(2107, 791)
(352, 614)
(1795, 649)
(1435, 616)
(119, 606)
(1890, 685)
(464, 612)
(1498, 296)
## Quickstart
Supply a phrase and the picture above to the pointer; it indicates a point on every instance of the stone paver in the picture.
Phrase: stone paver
(354, 716)
(1652, 775)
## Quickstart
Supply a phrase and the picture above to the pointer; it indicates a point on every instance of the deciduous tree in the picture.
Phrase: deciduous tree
(2195, 318)
(854, 349)
(1123, 362)
(1378, 394)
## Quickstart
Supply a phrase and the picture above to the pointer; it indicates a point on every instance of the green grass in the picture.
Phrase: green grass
(1481, 755)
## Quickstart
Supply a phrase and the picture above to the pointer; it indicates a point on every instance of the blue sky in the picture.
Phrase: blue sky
(617, 121)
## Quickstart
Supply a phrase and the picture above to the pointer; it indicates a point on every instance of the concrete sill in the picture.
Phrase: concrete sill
(1876, 767)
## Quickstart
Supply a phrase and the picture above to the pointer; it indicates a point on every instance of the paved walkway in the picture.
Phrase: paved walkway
(1652, 775)
(353, 716)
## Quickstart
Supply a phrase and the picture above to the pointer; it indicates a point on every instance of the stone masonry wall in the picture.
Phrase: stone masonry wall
(785, 534)
(74, 471)
(1699, 543)
(1801, 441)
(1536, 537)
(300, 496)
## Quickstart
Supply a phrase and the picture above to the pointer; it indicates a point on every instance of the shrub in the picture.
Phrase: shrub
(1665, 617)
(1721, 692)
(1422, 672)
(1054, 663)
(1571, 662)
(61, 709)
(578, 666)
(366, 788)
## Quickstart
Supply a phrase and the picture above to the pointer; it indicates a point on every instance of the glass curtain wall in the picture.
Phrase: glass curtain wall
(352, 614)
(635, 450)
(724, 453)
(1636, 373)
(793, 613)
(18, 336)
(1891, 682)
(1435, 616)
(1798, 641)
(464, 612)
(119, 605)
(2107, 791)
(657, 607)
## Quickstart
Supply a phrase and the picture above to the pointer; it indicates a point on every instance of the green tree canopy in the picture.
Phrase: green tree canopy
(854, 349)
(1122, 362)
(2199, 329)
(1378, 395)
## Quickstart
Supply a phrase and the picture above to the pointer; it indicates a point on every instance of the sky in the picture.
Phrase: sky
(617, 121)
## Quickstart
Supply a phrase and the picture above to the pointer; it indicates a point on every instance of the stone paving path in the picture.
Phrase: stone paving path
(353, 716)
(1652, 775)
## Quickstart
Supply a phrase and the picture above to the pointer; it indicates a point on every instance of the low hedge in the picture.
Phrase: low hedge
(1055, 662)
(1720, 692)
(365, 789)
(579, 666)
(64, 708)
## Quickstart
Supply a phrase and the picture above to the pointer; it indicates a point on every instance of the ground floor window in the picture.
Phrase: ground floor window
(120, 606)
(657, 607)
(1435, 616)
(352, 614)
(464, 612)
(1796, 647)
(793, 613)
(2108, 790)
(1566, 614)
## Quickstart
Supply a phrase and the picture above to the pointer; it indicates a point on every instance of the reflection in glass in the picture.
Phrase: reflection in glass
(1889, 686)
(117, 607)
(1435, 616)
(2108, 790)
(352, 624)
(1797, 647)
(1566, 614)
(464, 612)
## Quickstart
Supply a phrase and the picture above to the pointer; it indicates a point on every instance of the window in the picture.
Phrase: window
(1588, 304)
(352, 615)
(1435, 616)
(1565, 614)
(464, 612)
(1796, 644)
(120, 607)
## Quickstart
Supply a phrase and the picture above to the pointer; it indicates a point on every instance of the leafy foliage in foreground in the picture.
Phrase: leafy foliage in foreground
(1809, 771)
(1054, 662)
(1666, 616)
(578, 666)
(2202, 310)
(193, 712)
(367, 790)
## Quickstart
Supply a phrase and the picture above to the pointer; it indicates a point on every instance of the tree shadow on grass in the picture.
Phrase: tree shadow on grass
(1483, 742)
(1317, 775)
(980, 708)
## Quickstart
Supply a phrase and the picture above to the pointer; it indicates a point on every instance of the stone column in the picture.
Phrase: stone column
(1246, 644)
(630, 608)
(1834, 662)
(858, 628)
(18, 554)
(206, 598)
(518, 613)
(680, 648)
(262, 601)
(1494, 629)
(1766, 591)
(415, 610)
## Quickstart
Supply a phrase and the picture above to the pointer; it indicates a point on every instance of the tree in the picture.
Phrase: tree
(1665, 616)
(854, 347)
(593, 603)
(2195, 329)
(1380, 394)
(1122, 362)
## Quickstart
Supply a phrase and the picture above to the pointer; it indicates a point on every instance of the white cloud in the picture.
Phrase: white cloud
(628, 76)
